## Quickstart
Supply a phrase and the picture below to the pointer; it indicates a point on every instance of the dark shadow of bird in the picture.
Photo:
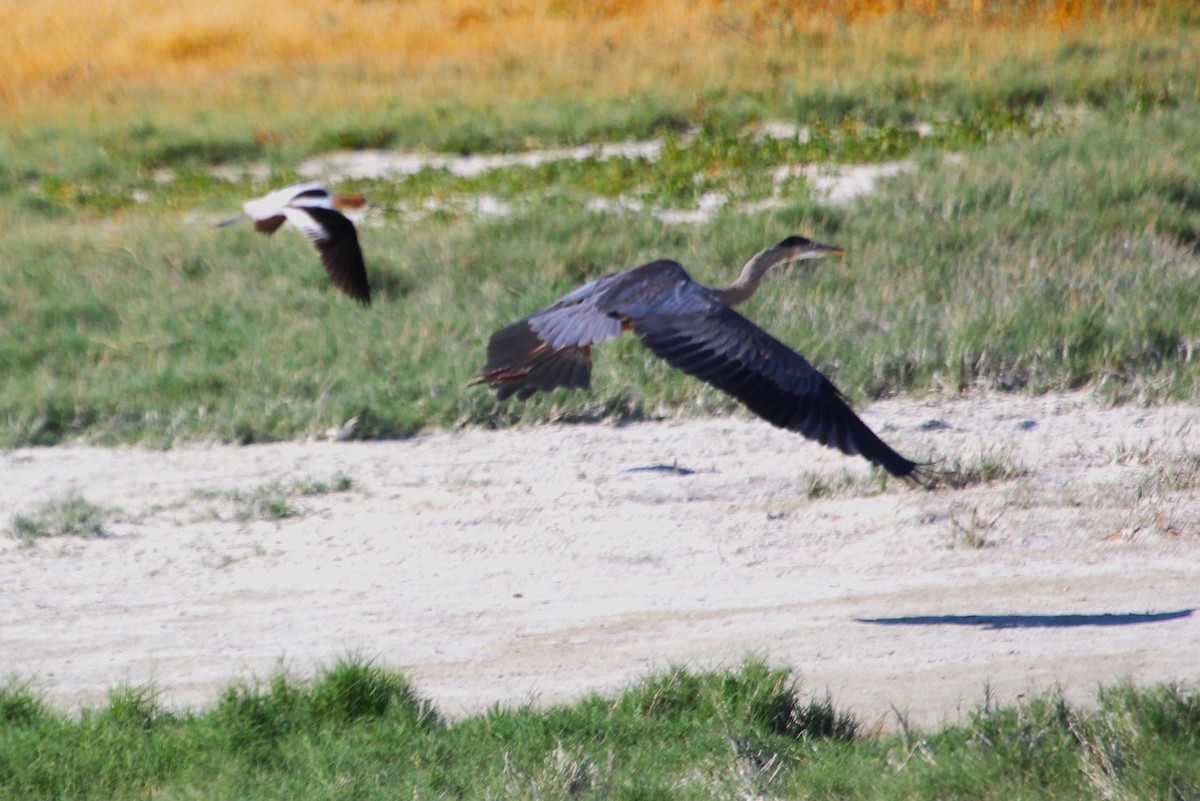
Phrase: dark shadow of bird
(695, 329)
(313, 209)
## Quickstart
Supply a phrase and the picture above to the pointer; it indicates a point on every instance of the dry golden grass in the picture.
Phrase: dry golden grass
(351, 52)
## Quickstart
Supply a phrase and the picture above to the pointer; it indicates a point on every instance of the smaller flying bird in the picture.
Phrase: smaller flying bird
(313, 209)
(695, 329)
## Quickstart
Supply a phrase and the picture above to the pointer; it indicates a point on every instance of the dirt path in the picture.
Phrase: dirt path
(534, 564)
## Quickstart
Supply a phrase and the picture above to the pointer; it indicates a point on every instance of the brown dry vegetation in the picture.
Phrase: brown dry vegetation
(63, 54)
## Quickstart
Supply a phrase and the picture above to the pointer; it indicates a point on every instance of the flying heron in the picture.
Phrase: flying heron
(313, 209)
(695, 329)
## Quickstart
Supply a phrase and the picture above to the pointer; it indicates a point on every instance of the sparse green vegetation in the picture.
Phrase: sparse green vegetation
(971, 530)
(274, 499)
(358, 731)
(989, 467)
(1173, 473)
(817, 485)
(338, 482)
(69, 516)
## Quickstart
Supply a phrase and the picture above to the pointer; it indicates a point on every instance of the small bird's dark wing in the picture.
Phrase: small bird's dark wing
(269, 225)
(337, 242)
(703, 337)
(552, 347)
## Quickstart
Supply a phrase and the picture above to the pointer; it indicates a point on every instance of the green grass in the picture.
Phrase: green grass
(69, 516)
(359, 732)
(1060, 253)
(1056, 260)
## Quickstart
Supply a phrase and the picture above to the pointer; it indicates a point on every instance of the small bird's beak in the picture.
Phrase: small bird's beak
(230, 221)
(348, 201)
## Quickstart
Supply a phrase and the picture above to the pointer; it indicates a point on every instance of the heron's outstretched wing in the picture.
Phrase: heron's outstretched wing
(703, 337)
(552, 347)
(337, 243)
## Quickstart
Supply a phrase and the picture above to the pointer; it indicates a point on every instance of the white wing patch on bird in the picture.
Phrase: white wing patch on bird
(305, 222)
(311, 208)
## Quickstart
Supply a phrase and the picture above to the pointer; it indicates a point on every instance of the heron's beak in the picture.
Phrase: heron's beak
(820, 250)
(348, 201)
(816, 250)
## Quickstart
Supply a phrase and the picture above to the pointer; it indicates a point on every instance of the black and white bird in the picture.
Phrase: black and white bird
(313, 209)
(695, 329)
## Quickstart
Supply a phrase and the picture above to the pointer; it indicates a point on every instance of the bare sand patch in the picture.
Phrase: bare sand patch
(532, 564)
(396, 163)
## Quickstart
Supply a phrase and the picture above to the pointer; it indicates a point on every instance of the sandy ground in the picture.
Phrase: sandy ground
(537, 565)
(836, 184)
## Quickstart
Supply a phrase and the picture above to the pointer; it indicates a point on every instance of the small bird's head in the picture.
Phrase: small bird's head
(355, 201)
(799, 248)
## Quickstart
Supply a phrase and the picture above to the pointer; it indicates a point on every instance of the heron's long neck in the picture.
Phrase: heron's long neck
(751, 276)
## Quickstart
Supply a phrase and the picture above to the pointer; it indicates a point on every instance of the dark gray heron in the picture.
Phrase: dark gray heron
(313, 209)
(695, 329)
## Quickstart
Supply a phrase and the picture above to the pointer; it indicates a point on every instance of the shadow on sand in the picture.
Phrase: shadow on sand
(1029, 621)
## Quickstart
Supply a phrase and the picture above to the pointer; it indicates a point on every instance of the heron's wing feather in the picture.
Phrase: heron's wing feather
(337, 243)
(552, 347)
(531, 365)
(712, 342)
(577, 319)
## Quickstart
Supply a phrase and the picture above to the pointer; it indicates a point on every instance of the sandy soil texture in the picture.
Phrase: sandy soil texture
(540, 563)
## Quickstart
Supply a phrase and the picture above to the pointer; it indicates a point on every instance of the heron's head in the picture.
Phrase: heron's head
(799, 248)
(348, 201)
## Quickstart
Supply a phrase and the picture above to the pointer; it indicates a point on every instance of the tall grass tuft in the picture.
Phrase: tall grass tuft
(19, 704)
(354, 689)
